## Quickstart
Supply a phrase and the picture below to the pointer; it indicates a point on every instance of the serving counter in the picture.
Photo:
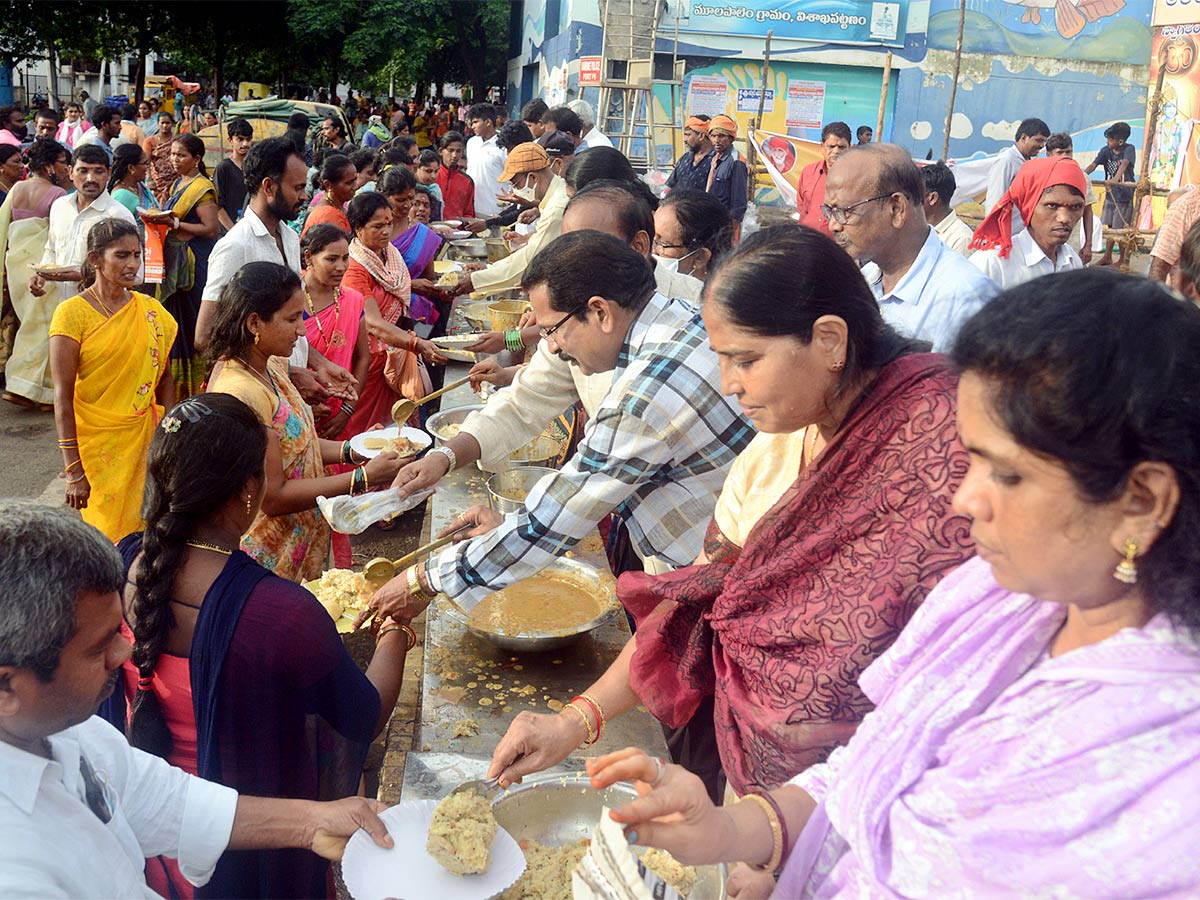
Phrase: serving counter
(471, 691)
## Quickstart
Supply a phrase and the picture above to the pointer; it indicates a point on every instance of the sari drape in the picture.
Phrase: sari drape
(23, 236)
(418, 245)
(990, 769)
(294, 546)
(121, 361)
(279, 712)
(825, 582)
(183, 282)
(162, 170)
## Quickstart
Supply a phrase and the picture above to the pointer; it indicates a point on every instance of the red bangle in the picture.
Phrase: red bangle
(595, 712)
(782, 827)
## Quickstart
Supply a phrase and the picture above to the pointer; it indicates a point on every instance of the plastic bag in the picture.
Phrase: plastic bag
(354, 515)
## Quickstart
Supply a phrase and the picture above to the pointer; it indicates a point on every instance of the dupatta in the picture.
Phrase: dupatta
(990, 769)
(826, 580)
(301, 732)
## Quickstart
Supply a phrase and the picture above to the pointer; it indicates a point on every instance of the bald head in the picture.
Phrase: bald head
(878, 190)
(611, 207)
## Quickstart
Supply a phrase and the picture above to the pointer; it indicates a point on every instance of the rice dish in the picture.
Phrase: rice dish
(547, 874)
(670, 870)
(461, 833)
(342, 592)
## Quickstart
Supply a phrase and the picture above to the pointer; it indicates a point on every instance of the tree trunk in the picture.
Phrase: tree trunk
(139, 77)
(52, 81)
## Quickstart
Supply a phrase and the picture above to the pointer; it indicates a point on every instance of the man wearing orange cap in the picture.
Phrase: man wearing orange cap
(691, 171)
(528, 168)
(1048, 193)
(810, 192)
(727, 174)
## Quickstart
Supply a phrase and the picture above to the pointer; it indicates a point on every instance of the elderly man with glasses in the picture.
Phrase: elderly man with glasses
(874, 206)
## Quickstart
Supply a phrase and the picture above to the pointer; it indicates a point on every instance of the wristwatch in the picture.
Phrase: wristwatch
(450, 457)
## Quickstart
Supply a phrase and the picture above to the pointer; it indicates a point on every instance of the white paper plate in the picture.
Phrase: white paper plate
(407, 872)
(358, 443)
(459, 235)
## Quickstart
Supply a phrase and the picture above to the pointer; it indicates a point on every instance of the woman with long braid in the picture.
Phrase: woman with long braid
(237, 675)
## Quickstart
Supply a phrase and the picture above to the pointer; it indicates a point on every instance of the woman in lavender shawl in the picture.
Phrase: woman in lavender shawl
(1037, 723)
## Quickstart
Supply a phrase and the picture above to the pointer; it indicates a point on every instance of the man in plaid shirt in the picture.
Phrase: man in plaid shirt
(657, 451)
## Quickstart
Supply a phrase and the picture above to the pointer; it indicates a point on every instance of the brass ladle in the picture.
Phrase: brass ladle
(402, 409)
(381, 569)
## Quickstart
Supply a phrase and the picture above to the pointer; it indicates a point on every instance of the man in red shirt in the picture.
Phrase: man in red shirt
(810, 194)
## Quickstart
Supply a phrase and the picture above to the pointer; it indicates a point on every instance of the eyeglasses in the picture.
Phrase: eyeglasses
(547, 332)
(661, 245)
(841, 214)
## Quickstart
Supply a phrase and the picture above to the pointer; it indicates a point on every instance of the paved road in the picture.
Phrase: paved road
(29, 457)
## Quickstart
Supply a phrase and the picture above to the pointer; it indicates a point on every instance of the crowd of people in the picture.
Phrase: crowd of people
(904, 511)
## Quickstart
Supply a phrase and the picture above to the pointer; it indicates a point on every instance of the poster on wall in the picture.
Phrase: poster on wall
(805, 104)
(1175, 49)
(707, 96)
(1176, 12)
(821, 21)
(747, 100)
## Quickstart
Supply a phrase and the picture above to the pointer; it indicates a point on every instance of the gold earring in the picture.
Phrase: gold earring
(838, 365)
(1126, 571)
(249, 504)
(256, 339)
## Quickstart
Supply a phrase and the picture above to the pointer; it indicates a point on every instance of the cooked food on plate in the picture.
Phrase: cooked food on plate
(461, 833)
(401, 445)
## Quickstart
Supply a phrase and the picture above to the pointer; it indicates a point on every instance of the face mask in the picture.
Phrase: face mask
(670, 263)
(529, 192)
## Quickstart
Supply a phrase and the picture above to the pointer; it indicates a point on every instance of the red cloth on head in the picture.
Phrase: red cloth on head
(1026, 190)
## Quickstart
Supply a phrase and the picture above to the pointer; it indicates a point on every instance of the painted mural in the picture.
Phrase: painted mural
(1094, 30)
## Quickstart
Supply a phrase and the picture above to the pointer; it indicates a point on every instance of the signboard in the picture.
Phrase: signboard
(707, 95)
(747, 100)
(1176, 12)
(805, 104)
(589, 70)
(821, 21)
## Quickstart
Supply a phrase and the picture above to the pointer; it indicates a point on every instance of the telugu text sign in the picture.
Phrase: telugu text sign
(824, 21)
(805, 104)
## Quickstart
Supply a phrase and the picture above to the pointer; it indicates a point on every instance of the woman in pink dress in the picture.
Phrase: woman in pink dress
(335, 325)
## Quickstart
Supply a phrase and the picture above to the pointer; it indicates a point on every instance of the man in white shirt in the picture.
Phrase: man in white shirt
(592, 136)
(81, 810)
(71, 219)
(276, 177)
(874, 200)
(529, 170)
(1031, 138)
(106, 122)
(485, 160)
(939, 188)
(1049, 194)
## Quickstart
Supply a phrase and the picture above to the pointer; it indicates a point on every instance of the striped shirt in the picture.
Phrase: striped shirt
(657, 453)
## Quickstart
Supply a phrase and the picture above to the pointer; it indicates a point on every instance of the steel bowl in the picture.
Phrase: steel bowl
(437, 423)
(537, 642)
(556, 809)
(519, 479)
(475, 313)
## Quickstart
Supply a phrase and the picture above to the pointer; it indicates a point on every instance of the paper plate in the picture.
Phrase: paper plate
(459, 235)
(407, 872)
(358, 442)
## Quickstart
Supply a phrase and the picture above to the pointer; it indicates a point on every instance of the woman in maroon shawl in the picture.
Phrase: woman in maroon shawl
(237, 675)
(811, 577)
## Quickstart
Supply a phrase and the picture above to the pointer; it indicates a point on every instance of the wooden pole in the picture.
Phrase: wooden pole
(1130, 241)
(962, 15)
(756, 122)
(887, 80)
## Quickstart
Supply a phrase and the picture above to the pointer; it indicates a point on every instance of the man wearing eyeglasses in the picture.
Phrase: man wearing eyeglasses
(874, 203)
(548, 385)
(656, 451)
(81, 810)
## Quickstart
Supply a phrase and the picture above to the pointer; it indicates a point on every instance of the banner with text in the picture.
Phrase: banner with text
(822, 21)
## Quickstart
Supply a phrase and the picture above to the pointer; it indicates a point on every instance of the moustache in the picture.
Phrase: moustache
(565, 357)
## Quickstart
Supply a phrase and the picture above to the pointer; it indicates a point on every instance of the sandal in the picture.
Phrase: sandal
(18, 400)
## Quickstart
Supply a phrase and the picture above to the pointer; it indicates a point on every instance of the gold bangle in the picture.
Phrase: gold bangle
(409, 635)
(602, 719)
(587, 723)
(71, 465)
(776, 832)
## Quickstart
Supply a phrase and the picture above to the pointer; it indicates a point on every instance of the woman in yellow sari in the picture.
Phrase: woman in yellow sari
(259, 317)
(108, 358)
(191, 214)
(24, 229)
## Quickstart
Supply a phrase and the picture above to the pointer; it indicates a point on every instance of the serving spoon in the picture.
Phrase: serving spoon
(402, 409)
(381, 569)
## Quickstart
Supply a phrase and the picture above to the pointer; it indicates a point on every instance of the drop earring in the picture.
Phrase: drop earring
(1126, 571)
(256, 339)
(249, 504)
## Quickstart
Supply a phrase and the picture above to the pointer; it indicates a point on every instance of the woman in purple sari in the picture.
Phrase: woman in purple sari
(1036, 730)
(417, 243)
(216, 685)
